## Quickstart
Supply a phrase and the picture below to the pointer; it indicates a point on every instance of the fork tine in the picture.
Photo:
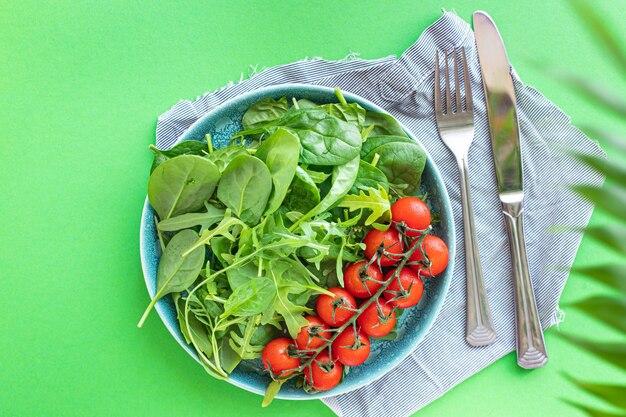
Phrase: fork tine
(468, 90)
(457, 81)
(437, 86)
(448, 105)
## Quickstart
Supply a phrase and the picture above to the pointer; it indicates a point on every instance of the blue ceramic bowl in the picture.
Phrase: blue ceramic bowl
(413, 325)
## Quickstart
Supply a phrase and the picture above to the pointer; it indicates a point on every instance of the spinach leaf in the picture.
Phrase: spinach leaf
(176, 272)
(368, 177)
(280, 152)
(263, 112)
(303, 103)
(245, 188)
(250, 298)
(402, 163)
(325, 139)
(211, 216)
(222, 157)
(343, 179)
(351, 113)
(187, 147)
(181, 185)
(375, 200)
(375, 141)
(318, 177)
(303, 194)
(384, 124)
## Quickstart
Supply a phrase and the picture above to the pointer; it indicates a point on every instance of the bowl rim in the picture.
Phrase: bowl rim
(376, 373)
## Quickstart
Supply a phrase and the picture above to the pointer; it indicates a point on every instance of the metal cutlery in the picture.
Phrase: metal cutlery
(505, 141)
(456, 129)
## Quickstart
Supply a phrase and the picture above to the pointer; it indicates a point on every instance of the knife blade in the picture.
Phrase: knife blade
(507, 153)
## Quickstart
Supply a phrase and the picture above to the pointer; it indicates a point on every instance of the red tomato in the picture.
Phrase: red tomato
(389, 239)
(412, 285)
(335, 310)
(437, 254)
(323, 374)
(276, 358)
(378, 319)
(349, 350)
(309, 336)
(413, 212)
(356, 282)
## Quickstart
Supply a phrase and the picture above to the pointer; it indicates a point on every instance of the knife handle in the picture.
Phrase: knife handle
(479, 328)
(531, 348)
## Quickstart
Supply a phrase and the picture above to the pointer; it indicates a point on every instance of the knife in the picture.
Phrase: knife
(507, 153)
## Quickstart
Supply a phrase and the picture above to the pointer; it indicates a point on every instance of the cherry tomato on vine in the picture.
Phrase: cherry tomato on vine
(355, 279)
(390, 240)
(412, 288)
(378, 319)
(309, 336)
(351, 350)
(413, 212)
(335, 311)
(436, 252)
(323, 374)
(276, 358)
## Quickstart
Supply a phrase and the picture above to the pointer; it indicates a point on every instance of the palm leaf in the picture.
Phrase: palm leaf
(609, 310)
(606, 137)
(592, 90)
(612, 237)
(612, 394)
(614, 353)
(613, 276)
(610, 169)
(609, 199)
(597, 26)
(592, 412)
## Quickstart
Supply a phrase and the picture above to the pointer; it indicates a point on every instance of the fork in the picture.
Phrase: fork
(456, 129)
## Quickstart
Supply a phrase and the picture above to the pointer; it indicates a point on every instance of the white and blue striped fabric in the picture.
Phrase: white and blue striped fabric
(404, 87)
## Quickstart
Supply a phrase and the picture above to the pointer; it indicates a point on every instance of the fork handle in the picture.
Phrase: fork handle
(480, 330)
(531, 348)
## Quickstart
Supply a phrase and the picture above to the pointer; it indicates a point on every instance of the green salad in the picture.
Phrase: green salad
(282, 209)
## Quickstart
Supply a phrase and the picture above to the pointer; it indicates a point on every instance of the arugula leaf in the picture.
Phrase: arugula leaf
(373, 199)
(205, 220)
(249, 298)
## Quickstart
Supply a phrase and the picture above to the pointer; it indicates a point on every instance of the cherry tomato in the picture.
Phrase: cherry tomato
(334, 310)
(390, 240)
(378, 319)
(309, 336)
(356, 282)
(276, 358)
(436, 252)
(349, 350)
(412, 285)
(323, 374)
(413, 212)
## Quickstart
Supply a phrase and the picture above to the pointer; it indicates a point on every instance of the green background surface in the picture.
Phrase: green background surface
(81, 85)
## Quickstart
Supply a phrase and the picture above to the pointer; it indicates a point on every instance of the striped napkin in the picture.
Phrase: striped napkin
(404, 87)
